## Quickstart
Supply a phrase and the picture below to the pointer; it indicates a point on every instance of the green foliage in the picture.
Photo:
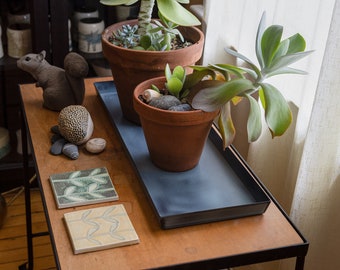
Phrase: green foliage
(274, 56)
(175, 80)
(126, 37)
(158, 35)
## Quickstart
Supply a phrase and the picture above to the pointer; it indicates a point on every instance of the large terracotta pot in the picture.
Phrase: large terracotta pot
(130, 67)
(175, 140)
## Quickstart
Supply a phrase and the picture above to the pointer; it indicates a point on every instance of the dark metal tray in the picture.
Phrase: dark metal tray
(220, 187)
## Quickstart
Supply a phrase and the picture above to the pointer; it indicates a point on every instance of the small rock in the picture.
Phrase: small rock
(95, 145)
(150, 94)
(165, 102)
(57, 146)
(181, 108)
(55, 129)
(71, 150)
(56, 137)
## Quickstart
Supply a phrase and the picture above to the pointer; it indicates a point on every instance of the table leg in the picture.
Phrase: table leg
(300, 262)
(27, 195)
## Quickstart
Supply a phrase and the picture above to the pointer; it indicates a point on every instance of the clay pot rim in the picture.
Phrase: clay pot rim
(108, 30)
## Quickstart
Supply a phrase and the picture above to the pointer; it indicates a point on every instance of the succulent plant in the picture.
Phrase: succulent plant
(126, 37)
(156, 35)
(214, 86)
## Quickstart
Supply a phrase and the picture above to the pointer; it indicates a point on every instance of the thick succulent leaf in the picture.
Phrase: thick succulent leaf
(277, 112)
(118, 2)
(259, 35)
(167, 71)
(254, 123)
(270, 42)
(286, 60)
(282, 49)
(198, 74)
(174, 85)
(226, 125)
(296, 44)
(213, 98)
(179, 72)
(166, 42)
(286, 70)
(245, 59)
(225, 68)
(173, 11)
(155, 29)
(145, 41)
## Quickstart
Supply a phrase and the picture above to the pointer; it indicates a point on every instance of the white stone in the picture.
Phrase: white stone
(95, 145)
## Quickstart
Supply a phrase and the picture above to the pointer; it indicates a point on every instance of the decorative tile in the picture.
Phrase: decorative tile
(100, 228)
(83, 187)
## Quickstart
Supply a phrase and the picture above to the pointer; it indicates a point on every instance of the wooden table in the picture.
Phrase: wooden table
(266, 237)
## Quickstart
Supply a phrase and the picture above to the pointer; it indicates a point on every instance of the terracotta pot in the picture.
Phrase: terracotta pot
(130, 67)
(175, 140)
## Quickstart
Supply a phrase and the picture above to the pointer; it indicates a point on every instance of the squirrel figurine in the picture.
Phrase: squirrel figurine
(61, 87)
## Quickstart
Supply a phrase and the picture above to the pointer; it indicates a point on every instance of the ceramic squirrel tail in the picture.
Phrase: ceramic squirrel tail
(76, 69)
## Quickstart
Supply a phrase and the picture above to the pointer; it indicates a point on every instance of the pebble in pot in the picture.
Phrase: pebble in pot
(165, 102)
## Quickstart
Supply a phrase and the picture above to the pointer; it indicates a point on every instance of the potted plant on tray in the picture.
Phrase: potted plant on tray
(139, 49)
(209, 90)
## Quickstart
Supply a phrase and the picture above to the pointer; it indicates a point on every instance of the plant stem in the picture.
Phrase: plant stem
(144, 16)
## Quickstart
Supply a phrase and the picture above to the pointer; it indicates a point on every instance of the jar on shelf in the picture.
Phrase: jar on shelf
(90, 31)
(81, 13)
(18, 17)
(19, 39)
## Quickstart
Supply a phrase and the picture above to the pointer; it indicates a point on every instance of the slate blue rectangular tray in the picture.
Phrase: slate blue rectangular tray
(220, 187)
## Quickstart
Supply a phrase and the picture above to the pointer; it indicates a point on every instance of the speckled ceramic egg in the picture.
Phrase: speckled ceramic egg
(75, 124)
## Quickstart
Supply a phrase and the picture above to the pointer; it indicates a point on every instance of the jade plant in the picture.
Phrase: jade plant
(154, 35)
(215, 86)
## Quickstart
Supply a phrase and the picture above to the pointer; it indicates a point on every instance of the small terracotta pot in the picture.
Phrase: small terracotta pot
(175, 140)
(131, 67)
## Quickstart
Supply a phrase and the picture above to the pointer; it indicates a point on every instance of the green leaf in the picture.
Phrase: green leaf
(179, 72)
(286, 60)
(212, 98)
(254, 123)
(259, 35)
(270, 42)
(226, 126)
(277, 112)
(173, 11)
(245, 59)
(296, 44)
(286, 70)
(282, 49)
(166, 43)
(168, 73)
(154, 87)
(174, 85)
(225, 68)
(145, 41)
(195, 77)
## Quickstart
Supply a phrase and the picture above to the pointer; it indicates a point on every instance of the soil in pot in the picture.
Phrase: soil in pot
(131, 67)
